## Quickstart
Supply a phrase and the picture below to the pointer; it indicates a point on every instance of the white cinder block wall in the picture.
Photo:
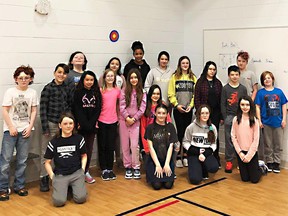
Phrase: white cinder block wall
(44, 41)
(221, 14)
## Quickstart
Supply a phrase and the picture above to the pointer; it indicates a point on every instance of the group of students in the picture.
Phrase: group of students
(133, 112)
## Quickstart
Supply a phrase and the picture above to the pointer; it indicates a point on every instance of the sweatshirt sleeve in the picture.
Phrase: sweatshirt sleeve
(122, 105)
(193, 96)
(149, 81)
(254, 146)
(141, 109)
(234, 135)
(172, 91)
(43, 109)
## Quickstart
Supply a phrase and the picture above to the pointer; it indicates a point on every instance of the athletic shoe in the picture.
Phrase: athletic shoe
(270, 167)
(112, 175)
(185, 162)
(228, 167)
(4, 196)
(88, 178)
(137, 174)
(179, 163)
(276, 167)
(128, 174)
(105, 176)
(263, 168)
(22, 192)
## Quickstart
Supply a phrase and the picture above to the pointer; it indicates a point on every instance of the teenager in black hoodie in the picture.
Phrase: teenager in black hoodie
(138, 61)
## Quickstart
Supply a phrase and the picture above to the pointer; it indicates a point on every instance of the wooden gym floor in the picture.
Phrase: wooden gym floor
(222, 194)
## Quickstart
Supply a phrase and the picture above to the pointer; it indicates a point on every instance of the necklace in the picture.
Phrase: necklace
(210, 83)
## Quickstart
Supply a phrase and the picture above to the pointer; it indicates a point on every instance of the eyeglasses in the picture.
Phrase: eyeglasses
(23, 78)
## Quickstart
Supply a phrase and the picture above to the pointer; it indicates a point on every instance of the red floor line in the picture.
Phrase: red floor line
(158, 208)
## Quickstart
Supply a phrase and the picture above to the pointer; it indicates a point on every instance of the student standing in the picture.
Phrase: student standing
(245, 138)
(231, 93)
(200, 143)
(55, 99)
(107, 123)
(19, 110)
(77, 65)
(247, 78)
(161, 136)
(138, 62)
(87, 107)
(160, 75)
(68, 152)
(208, 91)
(132, 107)
(115, 65)
(181, 96)
(271, 107)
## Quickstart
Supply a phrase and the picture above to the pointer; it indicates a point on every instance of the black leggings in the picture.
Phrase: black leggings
(158, 185)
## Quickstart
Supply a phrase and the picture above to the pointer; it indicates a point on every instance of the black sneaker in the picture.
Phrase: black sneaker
(137, 174)
(276, 167)
(270, 167)
(128, 174)
(4, 196)
(112, 175)
(105, 176)
(44, 184)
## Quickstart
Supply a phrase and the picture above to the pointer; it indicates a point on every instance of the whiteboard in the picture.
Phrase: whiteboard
(267, 47)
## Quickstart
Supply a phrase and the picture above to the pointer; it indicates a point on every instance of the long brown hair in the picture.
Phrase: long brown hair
(252, 111)
(178, 72)
(211, 135)
(129, 88)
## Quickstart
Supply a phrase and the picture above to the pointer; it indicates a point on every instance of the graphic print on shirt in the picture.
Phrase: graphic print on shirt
(233, 99)
(66, 151)
(272, 103)
(199, 139)
(161, 139)
(21, 109)
(89, 102)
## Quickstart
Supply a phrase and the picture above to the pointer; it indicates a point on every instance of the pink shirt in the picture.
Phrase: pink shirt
(244, 137)
(108, 113)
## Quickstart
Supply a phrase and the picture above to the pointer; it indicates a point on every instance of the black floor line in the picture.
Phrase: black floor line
(201, 206)
(168, 197)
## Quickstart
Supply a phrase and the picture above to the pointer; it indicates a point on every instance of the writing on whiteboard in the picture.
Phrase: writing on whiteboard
(230, 44)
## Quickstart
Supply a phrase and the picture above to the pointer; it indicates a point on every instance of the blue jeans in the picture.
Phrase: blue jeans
(22, 148)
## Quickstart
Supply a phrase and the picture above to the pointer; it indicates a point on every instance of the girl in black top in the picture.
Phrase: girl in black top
(87, 108)
(138, 61)
(160, 136)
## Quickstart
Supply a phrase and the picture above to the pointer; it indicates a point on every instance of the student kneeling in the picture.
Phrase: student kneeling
(200, 142)
(69, 153)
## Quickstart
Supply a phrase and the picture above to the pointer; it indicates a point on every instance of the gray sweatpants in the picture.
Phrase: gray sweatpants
(229, 147)
(273, 143)
(60, 185)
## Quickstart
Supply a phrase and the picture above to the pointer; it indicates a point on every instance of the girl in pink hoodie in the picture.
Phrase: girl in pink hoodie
(132, 107)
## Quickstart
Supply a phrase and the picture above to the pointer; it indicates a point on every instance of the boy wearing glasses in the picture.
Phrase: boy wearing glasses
(19, 109)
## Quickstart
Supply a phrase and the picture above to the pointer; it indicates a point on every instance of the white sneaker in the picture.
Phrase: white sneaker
(179, 163)
(88, 178)
(185, 162)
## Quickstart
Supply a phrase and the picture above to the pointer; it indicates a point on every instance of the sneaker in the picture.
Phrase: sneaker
(128, 174)
(179, 163)
(112, 175)
(9, 191)
(263, 168)
(105, 176)
(137, 174)
(44, 184)
(88, 178)
(21, 192)
(185, 162)
(270, 167)
(276, 167)
(175, 176)
(4, 196)
(228, 167)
